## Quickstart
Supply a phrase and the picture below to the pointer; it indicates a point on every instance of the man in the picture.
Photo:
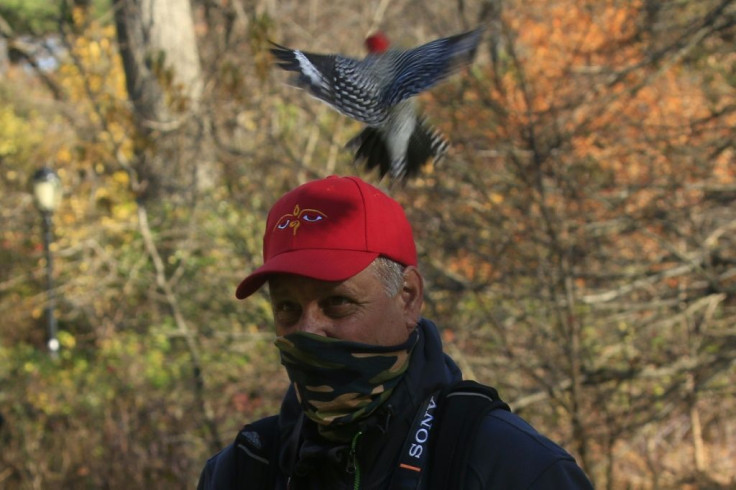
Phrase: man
(366, 369)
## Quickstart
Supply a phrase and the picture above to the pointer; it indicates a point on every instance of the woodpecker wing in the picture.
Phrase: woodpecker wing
(314, 70)
(421, 68)
(344, 83)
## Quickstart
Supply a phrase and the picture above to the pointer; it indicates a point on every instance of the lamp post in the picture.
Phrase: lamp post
(47, 194)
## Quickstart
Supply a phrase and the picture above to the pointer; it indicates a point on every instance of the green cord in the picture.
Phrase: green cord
(354, 458)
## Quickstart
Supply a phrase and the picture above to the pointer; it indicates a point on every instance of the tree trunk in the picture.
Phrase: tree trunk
(163, 74)
(159, 51)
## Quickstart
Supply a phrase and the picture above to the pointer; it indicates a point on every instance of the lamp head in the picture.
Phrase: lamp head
(46, 190)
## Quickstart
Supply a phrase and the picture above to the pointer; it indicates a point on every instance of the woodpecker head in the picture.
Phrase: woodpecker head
(377, 43)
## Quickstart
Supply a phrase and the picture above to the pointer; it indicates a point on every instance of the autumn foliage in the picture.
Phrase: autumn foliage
(579, 241)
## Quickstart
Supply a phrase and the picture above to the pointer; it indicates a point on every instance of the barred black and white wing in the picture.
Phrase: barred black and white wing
(419, 69)
(346, 84)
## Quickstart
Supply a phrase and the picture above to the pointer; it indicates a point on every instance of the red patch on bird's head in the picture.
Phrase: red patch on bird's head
(377, 43)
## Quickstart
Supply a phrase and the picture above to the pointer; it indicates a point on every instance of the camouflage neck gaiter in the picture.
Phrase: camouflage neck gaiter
(338, 382)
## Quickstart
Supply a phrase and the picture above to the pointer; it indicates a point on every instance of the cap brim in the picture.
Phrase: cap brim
(320, 264)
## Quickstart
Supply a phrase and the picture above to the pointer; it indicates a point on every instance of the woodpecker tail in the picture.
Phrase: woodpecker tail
(425, 144)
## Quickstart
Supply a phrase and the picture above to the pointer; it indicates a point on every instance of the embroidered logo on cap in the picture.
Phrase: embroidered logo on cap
(294, 219)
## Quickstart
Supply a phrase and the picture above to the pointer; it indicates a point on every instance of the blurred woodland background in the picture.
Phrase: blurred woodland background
(579, 241)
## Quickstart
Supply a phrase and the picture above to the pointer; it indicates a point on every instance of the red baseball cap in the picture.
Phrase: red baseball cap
(331, 229)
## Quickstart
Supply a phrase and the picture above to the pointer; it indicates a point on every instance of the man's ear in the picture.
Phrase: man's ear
(412, 296)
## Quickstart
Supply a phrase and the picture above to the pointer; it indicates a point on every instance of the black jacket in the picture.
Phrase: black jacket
(508, 453)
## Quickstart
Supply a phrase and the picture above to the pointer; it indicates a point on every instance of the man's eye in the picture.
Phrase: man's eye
(285, 312)
(337, 306)
(337, 301)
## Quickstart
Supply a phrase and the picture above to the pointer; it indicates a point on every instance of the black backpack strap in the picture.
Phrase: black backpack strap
(255, 453)
(414, 456)
(459, 416)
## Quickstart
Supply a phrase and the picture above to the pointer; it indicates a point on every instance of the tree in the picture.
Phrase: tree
(577, 241)
(164, 80)
(579, 228)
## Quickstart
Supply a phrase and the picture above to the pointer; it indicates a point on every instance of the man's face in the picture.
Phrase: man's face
(357, 309)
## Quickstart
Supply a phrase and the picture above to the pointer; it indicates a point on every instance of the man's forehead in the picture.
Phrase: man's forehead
(285, 283)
